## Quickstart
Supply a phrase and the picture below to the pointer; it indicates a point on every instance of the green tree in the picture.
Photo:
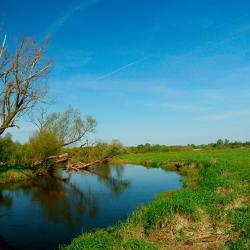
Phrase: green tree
(219, 142)
(6, 148)
(42, 145)
(68, 127)
(113, 149)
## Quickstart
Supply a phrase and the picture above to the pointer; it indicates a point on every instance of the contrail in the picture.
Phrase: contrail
(120, 69)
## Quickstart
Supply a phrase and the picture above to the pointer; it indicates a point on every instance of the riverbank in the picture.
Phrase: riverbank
(210, 212)
(17, 174)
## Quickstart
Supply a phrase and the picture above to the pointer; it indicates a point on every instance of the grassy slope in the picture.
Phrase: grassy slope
(14, 175)
(210, 212)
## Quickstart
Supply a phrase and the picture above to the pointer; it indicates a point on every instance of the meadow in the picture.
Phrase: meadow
(210, 212)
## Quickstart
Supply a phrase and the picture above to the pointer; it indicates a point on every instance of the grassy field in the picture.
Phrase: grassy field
(210, 212)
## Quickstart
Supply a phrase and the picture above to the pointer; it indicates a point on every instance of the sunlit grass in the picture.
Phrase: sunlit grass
(212, 210)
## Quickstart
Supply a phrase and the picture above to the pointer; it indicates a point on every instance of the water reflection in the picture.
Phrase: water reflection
(63, 201)
(55, 209)
(116, 184)
(5, 201)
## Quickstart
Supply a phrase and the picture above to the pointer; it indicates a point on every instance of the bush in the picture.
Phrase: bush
(42, 145)
(12, 153)
(100, 151)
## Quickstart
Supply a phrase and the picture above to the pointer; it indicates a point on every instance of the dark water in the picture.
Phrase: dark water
(46, 212)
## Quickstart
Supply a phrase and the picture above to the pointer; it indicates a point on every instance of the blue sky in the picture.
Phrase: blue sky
(167, 72)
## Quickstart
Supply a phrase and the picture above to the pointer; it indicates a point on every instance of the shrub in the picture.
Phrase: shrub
(42, 145)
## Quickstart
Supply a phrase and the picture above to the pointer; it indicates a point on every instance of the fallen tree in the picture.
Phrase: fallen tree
(52, 159)
(64, 158)
(80, 165)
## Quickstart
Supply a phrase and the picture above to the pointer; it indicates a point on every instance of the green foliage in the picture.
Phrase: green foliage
(183, 202)
(138, 244)
(241, 220)
(146, 148)
(220, 144)
(101, 150)
(99, 240)
(42, 145)
(69, 127)
(12, 153)
(107, 239)
(239, 244)
(113, 149)
(6, 147)
(15, 175)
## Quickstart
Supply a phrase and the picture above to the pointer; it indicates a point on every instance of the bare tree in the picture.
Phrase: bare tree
(23, 74)
(39, 118)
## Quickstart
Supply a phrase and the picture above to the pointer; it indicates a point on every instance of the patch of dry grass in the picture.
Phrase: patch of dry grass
(180, 232)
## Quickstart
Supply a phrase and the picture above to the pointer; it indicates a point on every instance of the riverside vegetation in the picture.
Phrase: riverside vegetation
(210, 212)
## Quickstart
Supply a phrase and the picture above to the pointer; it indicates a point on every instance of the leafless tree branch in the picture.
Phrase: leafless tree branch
(22, 80)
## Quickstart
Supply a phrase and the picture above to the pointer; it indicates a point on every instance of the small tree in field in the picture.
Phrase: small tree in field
(219, 142)
(22, 80)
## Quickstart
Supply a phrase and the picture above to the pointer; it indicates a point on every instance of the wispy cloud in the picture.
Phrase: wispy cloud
(167, 106)
(120, 69)
(167, 92)
(71, 60)
(223, 116)
(148, 87)
(64, 18)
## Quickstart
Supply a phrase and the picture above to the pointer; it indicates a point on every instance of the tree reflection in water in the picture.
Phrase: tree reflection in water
(61, 200)
(5, 200)
(112, 178)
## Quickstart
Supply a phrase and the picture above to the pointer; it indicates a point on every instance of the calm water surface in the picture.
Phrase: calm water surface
(46, 212)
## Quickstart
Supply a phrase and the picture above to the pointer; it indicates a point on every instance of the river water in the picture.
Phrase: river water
(45, 212)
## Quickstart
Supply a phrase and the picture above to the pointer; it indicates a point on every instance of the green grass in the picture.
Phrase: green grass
(211, 210)
(15, 175)
(108, 239)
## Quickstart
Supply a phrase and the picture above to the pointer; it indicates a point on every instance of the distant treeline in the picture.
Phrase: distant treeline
(220, 144)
